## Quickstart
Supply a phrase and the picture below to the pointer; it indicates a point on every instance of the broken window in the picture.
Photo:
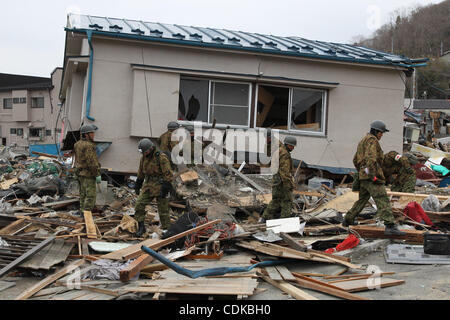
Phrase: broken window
(272, 107)
(307, 110)
(37, 102)
(293, 109)
(206, 100)
(48, 132)
(19, 131)
(193, 101)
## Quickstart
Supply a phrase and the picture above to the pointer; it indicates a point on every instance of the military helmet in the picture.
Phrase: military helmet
(172, 125)
(88, 128)
(290, 141)
(190, 129)
(379, 126)
(145, 145)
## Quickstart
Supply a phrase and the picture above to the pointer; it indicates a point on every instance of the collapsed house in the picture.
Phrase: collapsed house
(131, 78)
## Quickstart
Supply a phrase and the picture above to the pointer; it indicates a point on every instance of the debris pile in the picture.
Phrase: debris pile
(216, 246)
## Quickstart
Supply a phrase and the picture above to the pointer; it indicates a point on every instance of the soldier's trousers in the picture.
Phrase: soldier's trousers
(404, 183)
(146, 198)
(281, 202)
(378, 193)
(88, 193)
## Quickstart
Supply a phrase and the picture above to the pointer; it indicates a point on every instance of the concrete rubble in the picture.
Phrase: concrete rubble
(215, 214)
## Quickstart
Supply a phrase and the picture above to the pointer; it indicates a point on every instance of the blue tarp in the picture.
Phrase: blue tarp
(44, 148)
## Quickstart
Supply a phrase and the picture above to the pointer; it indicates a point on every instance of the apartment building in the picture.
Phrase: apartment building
(28, 110)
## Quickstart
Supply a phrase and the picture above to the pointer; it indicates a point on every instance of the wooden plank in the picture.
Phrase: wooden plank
(91, 228)
(304, 282)
(415, 195)
(189, 177)
(60, 204)
(272, 272)
(48, 280)
(290, 289)
(14, 227)
(367, 284)
(5, 185)
(133, 268)
(210, 286)
(285, 273)
(371, 232)
(25, 256)
(292, 243)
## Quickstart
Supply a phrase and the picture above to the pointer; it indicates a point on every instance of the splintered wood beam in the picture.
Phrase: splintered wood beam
(134, 267)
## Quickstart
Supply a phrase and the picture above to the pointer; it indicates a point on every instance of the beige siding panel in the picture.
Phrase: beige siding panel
(155, 93)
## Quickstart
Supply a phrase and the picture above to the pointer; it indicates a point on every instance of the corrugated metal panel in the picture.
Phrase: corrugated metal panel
(238, 40)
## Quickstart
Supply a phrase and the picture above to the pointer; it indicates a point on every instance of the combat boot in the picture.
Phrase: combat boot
(141, 230)
(347, 223)
(392, 230)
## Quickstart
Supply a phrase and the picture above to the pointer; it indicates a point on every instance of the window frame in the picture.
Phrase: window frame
(17, 132)
(289, 130)
(13, 131)
(36, 99)
(4, 105)
(210, 121)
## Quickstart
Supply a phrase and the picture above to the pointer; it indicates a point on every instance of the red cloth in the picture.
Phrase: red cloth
(423, 172)
(415, 212)
(350, 242)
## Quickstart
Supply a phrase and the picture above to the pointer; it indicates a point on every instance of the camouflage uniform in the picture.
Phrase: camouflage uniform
(283, 185)
(165, 142)
(394, 163)
(87, 168)
(155, 169)
(369, 155)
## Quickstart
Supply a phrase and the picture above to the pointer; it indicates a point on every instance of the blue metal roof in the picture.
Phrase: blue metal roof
(237, 40)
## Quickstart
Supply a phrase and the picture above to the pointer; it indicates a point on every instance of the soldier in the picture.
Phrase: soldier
(165, 142)
(396, 164)
(368, 161)
(87, 167)
(154, 177)
(283, 183)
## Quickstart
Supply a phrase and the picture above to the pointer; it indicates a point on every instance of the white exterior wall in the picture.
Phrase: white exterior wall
(364, 94)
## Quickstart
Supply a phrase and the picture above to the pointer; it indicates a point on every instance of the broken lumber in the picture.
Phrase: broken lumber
(292, 243)
(371, 232)
(133, 268)
(415, 195)
(323, 287)
(48, 280)
(91, 228)
(367, 284)
(290, 289)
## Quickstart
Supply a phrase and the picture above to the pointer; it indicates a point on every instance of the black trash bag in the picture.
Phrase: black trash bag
(186, 222)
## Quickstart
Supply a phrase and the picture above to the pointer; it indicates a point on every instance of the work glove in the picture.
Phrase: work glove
(98, 179)
(138, 186)
(166, 187)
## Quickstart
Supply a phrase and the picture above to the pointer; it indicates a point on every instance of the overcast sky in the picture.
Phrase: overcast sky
(32, 32)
